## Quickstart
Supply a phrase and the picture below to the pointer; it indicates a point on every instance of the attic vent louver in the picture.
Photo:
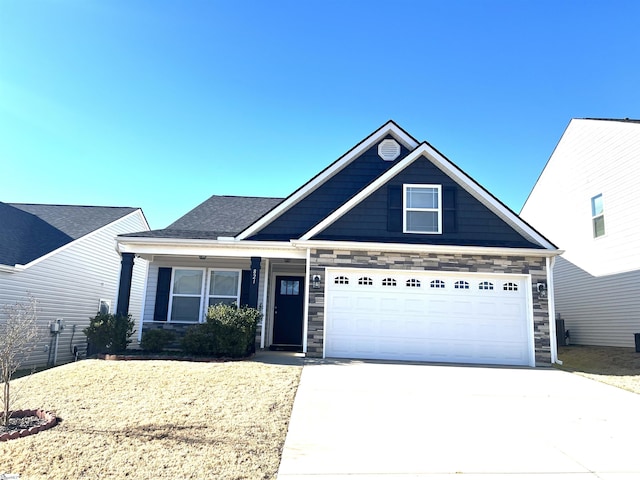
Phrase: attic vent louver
(389, 150)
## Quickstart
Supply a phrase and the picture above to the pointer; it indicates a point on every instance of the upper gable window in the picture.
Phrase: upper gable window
(422, 209)
(597, 216)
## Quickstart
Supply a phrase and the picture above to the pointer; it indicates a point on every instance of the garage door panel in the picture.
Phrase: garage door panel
(413, 321)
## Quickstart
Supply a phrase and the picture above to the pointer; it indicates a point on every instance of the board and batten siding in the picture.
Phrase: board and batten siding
(597, 279)
(69, 284)
(598, 310)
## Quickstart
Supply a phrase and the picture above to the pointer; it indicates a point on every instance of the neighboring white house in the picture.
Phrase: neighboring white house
(586, 202)
(65, 256)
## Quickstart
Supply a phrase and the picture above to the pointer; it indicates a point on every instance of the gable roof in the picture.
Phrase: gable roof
(389, 128)
(30, 231)
(454, 172)
(218, 216)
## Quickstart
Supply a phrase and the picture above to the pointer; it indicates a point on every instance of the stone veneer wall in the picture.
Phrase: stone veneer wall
(181, 328)
(534, 266)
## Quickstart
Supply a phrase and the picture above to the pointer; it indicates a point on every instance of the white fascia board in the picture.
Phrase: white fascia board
(389, 128)
(209, 248)
(11, 269)
(422, 248)
(452, 171)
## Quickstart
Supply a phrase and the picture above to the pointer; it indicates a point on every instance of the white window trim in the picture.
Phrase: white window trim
(208, 286)
(202, 291)
(405, 209)
(594, 217)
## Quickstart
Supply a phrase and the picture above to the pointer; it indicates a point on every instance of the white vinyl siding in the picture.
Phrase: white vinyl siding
(593, 157)
(597, 280)
(598, 310)
(70, 283)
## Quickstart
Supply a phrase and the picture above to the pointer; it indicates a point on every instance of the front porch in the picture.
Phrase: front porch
(179, 289)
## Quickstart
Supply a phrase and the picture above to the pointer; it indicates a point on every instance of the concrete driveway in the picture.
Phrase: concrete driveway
(366, 420)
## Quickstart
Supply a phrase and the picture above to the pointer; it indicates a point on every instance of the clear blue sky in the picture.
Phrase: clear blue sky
(160, 104)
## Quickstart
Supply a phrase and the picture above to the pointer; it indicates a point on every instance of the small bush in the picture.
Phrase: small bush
(228, 332)
(156, 340)
(108, 333)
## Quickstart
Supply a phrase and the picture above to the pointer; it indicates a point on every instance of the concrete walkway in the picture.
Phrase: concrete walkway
(363, 420)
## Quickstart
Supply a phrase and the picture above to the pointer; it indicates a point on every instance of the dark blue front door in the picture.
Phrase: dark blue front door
(288, 311)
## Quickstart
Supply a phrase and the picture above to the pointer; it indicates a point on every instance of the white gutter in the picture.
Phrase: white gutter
(198, 247)
(553, 334)
(12, 269)
(422, 248)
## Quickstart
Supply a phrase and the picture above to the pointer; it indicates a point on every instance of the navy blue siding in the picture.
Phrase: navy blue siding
(466, 221)
(319, 204)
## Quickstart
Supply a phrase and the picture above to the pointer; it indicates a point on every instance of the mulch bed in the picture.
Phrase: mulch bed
(26, 422)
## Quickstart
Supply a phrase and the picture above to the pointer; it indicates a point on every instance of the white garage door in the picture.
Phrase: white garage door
(428, 316)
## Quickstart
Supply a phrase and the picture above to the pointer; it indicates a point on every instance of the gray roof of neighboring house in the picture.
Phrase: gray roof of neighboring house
(29, 231)
(218, 216)
(627, 120)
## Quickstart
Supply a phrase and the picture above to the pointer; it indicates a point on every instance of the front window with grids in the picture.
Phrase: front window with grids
(485, 286)
(413, 282)
(461, 284)
(437, 284)
(341, 280)
(365, 281)
(389, 282)
(510, 287)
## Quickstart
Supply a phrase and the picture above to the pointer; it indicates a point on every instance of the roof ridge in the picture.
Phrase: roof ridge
(67, 205)
(626, 119)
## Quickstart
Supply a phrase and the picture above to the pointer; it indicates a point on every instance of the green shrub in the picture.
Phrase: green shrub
(156, 340)
(228, 332)
(108, 333)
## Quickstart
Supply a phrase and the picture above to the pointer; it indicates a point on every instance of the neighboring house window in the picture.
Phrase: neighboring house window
(341, 280)
(185, 300)
(485, 286)
(510, 287)
(365, 281)
(422, 209)
(437, 284)
(462, 285)
(597, 216)
(224, 287)
(413, 282)
(388, 282)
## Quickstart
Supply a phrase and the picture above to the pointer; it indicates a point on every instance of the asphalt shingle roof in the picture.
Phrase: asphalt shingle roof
(218, 216)
(29, 231)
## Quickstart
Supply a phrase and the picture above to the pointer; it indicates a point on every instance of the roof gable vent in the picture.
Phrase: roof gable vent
(389, 150)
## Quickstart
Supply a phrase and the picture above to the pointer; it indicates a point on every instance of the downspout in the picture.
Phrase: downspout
(552, 312)
(265, 289)
(305, 323)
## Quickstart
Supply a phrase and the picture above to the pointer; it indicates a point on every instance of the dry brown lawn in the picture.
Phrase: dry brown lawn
(155, 420)
(616, 366)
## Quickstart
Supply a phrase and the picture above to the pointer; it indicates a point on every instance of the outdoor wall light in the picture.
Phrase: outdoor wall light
(315, 281)
(542, 289)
